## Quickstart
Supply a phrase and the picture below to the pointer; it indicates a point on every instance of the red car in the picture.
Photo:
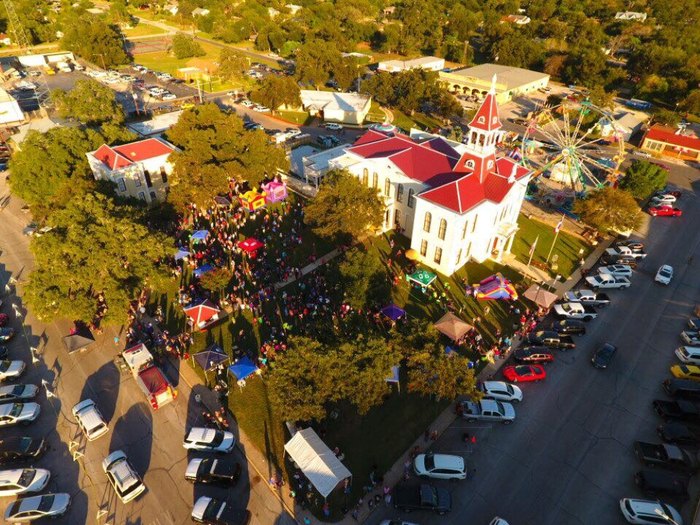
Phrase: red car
(665, 211)
(4, 319)
(524, 373)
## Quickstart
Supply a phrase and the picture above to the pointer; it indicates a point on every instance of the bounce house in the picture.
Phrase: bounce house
(495, 287)
(252, 200)
(274, 191)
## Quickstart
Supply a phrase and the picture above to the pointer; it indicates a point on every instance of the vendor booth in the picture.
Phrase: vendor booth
(201, 316)
(452, 326)
(541, 297)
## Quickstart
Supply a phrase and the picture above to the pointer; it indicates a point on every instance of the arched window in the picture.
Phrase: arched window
(438, 255)
(375, 180)
(411, 198)
(442, 229)
(426, 221)
(470, 164)
(399, 193)
(365, 176)
(480, 120)
(387, 187)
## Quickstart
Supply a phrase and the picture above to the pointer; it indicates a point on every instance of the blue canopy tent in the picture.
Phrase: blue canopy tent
(393, 312)
(242, 368)
(181, 254)
(203, 269)
(199, 235)
(210, 358)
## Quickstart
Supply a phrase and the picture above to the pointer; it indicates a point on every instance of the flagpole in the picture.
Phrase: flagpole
(556, 236)
(532, 250)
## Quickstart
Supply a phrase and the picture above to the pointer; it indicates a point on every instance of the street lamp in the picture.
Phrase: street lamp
(665, 516)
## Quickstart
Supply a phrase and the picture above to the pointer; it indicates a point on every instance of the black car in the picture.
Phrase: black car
(550, 339)
(6, 333)
(569, 327)
(216, 512)
(3, 352)
(619, 259)
(20, 449)
(678, 433)
(635, 246)
(660, 483)
(533, 354)
(212, 470)
(603, 356)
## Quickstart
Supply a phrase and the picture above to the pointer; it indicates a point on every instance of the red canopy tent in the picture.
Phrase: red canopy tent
(250, 245)
(203, 315)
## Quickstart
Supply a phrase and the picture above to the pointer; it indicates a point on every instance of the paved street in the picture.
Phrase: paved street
(568, 458)
(151, 439)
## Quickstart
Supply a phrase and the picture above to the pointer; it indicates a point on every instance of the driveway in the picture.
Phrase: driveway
(568, 458)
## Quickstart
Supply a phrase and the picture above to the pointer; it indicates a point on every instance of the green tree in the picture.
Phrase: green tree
(609, 209)
(232, 65)
(275, 91)
(362, 270)
(315, 61)
(91, 38)
(691, 103)
(215, 147)
(344, 207)
(643, 178)
(346, 72)
(90, 102)
(289, 48)
(119, 12)
(96, 247)
(601, 98)
(433, 373)
(216, 280)
(666, 117)
(184, 46)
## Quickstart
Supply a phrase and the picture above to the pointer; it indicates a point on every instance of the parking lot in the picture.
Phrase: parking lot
(568, 458)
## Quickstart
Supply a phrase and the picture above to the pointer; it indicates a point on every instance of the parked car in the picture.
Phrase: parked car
(4, 319)
(632, 244)
(6, 333)
(663, 198)
(126, 482)
(524, 373)
(501, 391)
(684, 371)
(608, 282)
(17, 393)
(677, 409)
(423, 497)
(661, 483)
(216, 512)
(440, 466)
(689, 354)
(691, 337)
(664, 210)
(588, 297)
(36, 507)
(11, 369)
(19, 481)
(531, 355)
(332, 126)
(678, 433)
(616, 270)
(667, 456)
(619, 259)
(209, 439)
(569, 327)
(488, 410)
(15, 449)
(694, 323)
(603, 356)
(682, 388)
(578, 311)
(649, 512)
(90, 419)
(626, 251)
(664, 275)
(16, 413)
(550, 339)
(212, 471)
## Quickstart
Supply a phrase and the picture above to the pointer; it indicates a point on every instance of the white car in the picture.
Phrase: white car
(332, 126)
(209, 439)
(649, 512)
(659, 200)
(11, 369)
(664, 275)
(89, 419)
(501, 391)
(261, 109)
(17, 393)
(247, 104)
(608, 281)
(23, 480)
(169, 96)
(616, 270)
(293, 132)
(440, 466)
(688, 354)
(14, 413)
(126, 482)
(36, 507)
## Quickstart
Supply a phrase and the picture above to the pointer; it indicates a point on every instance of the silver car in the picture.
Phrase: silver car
(37, 507)
(23, 480)
(501, 391)
(14, 413)
(11, 369)
(17, 392)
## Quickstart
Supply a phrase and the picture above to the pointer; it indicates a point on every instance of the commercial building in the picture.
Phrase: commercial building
(511, 81)
(455, 201)
(155, 126)
(330, 106)
(427, 63)
(672, 143)
(10, 112)
(138, 169)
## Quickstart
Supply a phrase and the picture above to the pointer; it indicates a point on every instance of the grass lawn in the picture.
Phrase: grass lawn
(418, 120)
(142, 30)
(567, 248)
(297, 117)
(375, 113)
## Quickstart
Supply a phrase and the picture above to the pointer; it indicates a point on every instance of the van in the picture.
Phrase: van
(89, 419)
(682, 388)
(689, 354)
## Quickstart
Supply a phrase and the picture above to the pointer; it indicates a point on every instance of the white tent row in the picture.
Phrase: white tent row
(318, 462)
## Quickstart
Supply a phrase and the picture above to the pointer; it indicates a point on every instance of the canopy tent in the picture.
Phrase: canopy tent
(222, 201)
(495, 287)
(210, 358)
(393, 312)
(80, 339)
(422, 278)
(199, 236)
(274, 191)
(202, 270)
(540, 296)
(202, 315)
(181, 254)
(250, 245)
(452, 326)
(252, 200)
(242, 368)
(318, 462)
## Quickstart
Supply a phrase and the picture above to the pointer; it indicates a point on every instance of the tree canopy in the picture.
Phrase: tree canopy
(344, 207)
(643, 178)
(95, 40)
(231, 64)
(315, 61)
(609, 209)
(275, 91)
(96, 247)
(90, 102)
(215, 147)
(364, 278)
(184, 46)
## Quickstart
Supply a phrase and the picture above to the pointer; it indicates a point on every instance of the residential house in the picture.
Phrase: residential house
(518, 20)
(348, 108)
(427, 63)
(10, 112)
(138, 169)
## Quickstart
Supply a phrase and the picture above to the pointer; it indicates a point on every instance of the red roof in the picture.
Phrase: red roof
(201, 313)
(110, 158)
(486, 118)
(669, 136)
(121, 156)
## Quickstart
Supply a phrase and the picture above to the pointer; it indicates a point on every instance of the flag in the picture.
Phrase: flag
(559, 225)
(532, 248)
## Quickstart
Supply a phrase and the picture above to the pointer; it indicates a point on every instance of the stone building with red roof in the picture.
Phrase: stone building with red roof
(455, 201)
(138, 169)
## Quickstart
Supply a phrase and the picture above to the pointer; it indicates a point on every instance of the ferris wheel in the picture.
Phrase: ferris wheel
(574, 143)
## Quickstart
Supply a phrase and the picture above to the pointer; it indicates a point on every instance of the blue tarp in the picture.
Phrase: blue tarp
(242, 368)
(209, 358)
(203, 269)
(181, 254)
(200, 235)
(393, 312)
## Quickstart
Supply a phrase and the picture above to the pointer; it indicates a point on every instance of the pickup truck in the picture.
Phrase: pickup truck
(422, 497)
(148, 376)
(678, 409)
(625, 251)
(551, 340)
(580, 311)
(488, 410)
(608, 281)
(666, 455)
(589, 297)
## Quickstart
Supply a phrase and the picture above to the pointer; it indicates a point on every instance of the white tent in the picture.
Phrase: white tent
(316, 461)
